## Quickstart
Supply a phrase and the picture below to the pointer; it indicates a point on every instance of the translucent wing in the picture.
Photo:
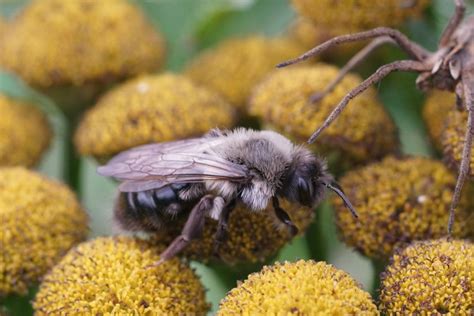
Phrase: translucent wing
(156, 165)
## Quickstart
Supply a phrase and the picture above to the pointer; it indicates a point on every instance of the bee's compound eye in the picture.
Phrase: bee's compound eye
(305, 191)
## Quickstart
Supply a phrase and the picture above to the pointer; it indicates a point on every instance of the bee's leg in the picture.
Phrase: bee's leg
(411, 48)
(191, 230)
(351, 64)
(283, 216)
(453, 23)
(382, 72)
(221, 232)
(468, 81)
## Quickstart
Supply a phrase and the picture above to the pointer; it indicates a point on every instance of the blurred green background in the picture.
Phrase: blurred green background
(193, 25)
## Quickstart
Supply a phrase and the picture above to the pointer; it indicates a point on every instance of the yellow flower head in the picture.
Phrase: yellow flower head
(452, 140)
(300, 288)
(112, 276)
(40, 220)
(399, 201)
(430, 278)
(436, 109)
(363, 131)
(252, 236)
(150, 109)
(236, 65)
(56, 42)
(349, 16)
(25, 133)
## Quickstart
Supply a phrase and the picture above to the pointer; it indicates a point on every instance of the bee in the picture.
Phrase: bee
(206, 177)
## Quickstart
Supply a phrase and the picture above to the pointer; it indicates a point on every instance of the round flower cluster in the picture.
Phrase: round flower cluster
(301, 288)
(150, 109)
(349, 16)
(431, 278)
(399, 201)
(55, 42)
(25, 133)
(115, 276)
(236, 65)
(436, 109)
(251, 237)
(363, 132)
(40, 220)
(452, 140)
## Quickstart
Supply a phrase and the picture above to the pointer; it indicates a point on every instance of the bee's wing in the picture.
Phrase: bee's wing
(154, 166)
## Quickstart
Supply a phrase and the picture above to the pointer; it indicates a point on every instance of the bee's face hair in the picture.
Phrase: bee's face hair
(305, 179)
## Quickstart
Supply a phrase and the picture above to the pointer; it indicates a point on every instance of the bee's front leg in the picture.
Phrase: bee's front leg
(283, 216)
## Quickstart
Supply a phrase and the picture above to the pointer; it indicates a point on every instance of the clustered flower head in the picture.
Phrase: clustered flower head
(25, 133)
(437, 106)
(150, 109)
(452, 140)
(399, 201)
(363, 131)
(430, 278)
(56, 42)
(236, 65)
(40, 220)
(252, 237)
(300, 288)
(349, 16)
(113, 276)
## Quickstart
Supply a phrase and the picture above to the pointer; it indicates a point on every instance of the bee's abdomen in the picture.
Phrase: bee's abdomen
(149, 210)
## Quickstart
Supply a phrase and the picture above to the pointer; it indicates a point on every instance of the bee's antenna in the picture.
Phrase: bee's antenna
(334, 186)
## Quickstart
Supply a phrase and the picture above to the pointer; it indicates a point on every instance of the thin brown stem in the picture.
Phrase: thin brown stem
(453, 23)
(351, 64)
(411, 48)
(382, 72)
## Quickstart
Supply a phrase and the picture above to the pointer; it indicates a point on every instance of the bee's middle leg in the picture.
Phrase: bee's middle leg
(191, 230)
(221, 232)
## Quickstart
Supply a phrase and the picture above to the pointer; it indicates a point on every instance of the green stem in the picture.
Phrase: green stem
(72, 160)
(378, 267)
(18, 304)
(320, 232)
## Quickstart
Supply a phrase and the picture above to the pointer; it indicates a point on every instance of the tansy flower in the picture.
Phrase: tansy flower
(430, 278)
(40, 220)
(362, 132)
(252, 237)
(113, 276)
(399, 201)
(436, 109)
(150, 109)
(236, 65)
(452, 140)
(25, 133)
(349, 16)
(55, 42)
(300, 288)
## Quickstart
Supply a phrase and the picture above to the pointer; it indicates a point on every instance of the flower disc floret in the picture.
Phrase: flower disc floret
(56, 42)
(25, 133)
(114, 276)
(362, 132)
(150, 109)
(41, 220)
(400, 201)
(300, 288)
(430, 278)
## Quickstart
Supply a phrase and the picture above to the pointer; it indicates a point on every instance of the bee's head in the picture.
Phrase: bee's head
(305, 179)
